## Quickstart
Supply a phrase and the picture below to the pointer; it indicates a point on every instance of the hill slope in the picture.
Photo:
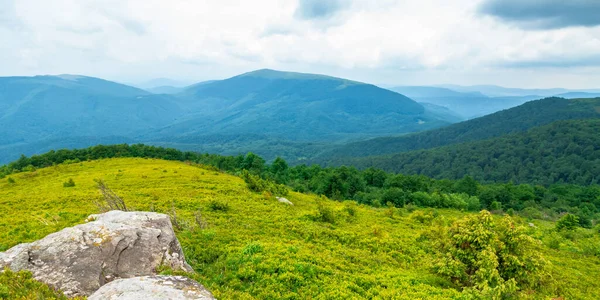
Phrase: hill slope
(253, 247)
(298, 107)
(518, 119)
(287, 107)
(467, 104)
(44, 107)
(564, 151)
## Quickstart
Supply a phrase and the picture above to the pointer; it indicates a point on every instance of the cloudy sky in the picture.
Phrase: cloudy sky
(519, 43)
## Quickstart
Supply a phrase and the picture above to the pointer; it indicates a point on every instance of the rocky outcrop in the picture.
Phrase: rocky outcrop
(284, 200)
(79, 260)
(152, 288)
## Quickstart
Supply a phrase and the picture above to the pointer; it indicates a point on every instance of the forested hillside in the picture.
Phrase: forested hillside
(561, 152)
(296, 106)
(371, 186)
(244, 244)
(293, 108)
(38, 108)
(518, 119)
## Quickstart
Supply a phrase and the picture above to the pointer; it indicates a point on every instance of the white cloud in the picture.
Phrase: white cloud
(384, 41)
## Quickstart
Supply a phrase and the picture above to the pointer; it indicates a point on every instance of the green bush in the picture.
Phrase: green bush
(567, 222)
(259, 185)
(216, 205)
(11, 181)
(553, 241)
(490, 259)
(325, 213)
(69, 183)
(423, 217)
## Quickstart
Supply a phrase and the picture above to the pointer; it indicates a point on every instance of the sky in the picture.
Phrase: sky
(516, 43)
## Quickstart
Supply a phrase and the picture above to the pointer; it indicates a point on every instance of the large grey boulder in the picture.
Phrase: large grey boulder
(80, 259)
(152, 288)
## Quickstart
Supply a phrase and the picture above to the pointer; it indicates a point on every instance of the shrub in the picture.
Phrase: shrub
(325, 213)
(216, 205)
(567, 222)
(489, 259)
(395, 196)
(11, 181)
(350, 209)
(423, 217)
(111, 201)
(69, 183)
(252, 249)
(553, 241)
(531, 213)
(259, 185)
(473, 203)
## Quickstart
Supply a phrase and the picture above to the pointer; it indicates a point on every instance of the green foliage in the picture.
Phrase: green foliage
(216, 205)
(324, 212)
(10, 180)
(21, 285)
(371, 186)
(515, 120)
(494, 259)
(262, 249)
(258, 185)
(560, 152)
(424, 216)
(69, 183)
(567, 222)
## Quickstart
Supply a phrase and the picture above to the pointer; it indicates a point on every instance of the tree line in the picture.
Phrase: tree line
(370, 186)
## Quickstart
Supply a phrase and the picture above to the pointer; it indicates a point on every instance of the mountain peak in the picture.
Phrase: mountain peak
(70, 77)
(275, 74)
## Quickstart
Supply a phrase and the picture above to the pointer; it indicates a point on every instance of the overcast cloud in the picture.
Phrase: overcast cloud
(405, 42)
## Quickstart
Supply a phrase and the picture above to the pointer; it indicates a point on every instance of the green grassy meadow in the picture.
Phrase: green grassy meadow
(246, 245)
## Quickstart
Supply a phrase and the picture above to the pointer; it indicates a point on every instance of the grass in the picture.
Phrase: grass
(250, 246)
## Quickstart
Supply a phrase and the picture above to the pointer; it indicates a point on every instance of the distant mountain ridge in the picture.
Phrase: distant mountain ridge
(517, 119)
(297, 106)
(468, 104)
(283, 105)
(42, 107)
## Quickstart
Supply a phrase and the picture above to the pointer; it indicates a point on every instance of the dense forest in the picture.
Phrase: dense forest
(514, 120)
(562, 152)
(371, 186)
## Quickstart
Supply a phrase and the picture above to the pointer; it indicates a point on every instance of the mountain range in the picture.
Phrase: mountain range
(514, 120)
(548, 141)
(43, 110)
(301, 117)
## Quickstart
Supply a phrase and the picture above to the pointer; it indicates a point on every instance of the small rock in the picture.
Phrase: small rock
(284, 200)
(531, 225)
(152, 288)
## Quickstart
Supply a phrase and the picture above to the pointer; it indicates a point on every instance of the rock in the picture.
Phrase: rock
(152, 288)
(531, 224)
(80, 259)
(284, 200)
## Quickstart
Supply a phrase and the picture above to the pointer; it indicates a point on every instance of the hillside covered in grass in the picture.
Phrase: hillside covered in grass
(247, 245)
